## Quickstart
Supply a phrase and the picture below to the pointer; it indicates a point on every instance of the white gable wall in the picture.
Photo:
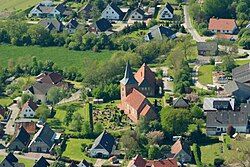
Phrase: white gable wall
(27, 112)
(166, 14)
(110, 14)
(136, 16)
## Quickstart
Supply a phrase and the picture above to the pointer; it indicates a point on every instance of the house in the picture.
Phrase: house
(139, 161)
(28, 124)
(224, 26)
(49, 78)
(181, 151)
(167, 12)
(39, 91)
(100, 26)
(240, 91)
(218, 104)
(207, 48)
(20, 141)
(137, 14)
(159, 32)
(84, 163)
(29, 109)
(72, 25)
(103, 145)
(41, 162)
(72, 164)
(47, 9)
(52, 25)
(136, 105)
(85, 12)
(112, 12)
(217, 122)
(245, 107)
(226, 37)
(44, 140)
(242, 73)
(180, 103)
(11, 161)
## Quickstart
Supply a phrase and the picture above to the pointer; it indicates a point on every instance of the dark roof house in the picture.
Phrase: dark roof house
(72, 24)
(180, 103)
(103, 25)
(218, 104)
(42, 162)
(159, 32)
(240, 91)
(85, 11)
(207, 48)
(242, 73)
(20, 140)
(52, 24)
(103, 145)
(11, 161)
(49, 78)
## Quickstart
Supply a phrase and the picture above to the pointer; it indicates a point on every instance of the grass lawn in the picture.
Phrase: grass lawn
(62, 57)
(241, 62)
(219, 150)
(5, 101)
(12, 5)
(73, 149)
(205, 74)
(26, 162)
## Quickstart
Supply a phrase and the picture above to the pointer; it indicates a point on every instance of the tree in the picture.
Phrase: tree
(98, 128)
(175, 121)
(196, 112)
(89, 116)
(153, 152)
(55, 94)
(76, 124)
(40, 36)
(155, 137)
(228, 63)
(43, 112)
(58, 151)
(25, 97)
(230, 130)
(217, 8)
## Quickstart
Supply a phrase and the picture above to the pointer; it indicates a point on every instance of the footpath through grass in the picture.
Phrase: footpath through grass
(62, 57)
(205, 74)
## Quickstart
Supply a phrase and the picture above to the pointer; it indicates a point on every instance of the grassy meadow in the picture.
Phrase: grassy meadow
(205, 74)
(12, 5)
(62, 57)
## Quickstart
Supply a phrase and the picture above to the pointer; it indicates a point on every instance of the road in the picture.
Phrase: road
(189, 27)
(10, 129)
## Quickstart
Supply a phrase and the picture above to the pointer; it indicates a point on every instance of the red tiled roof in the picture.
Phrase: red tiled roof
(177, 147)
(138, 161)
(145, 110)
(170, 162)
(49, 77)
(30, 104)
(145, 73)
(135, 99)
(221, 24)
(224, 36)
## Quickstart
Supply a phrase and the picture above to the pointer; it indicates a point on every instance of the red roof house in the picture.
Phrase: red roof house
(136, 105)
(138, 161)
(225, 26)
(181, 151)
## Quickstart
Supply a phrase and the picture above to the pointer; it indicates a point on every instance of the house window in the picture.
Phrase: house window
(107, 12)
(113, 12)
(139, 17)
(133, 17)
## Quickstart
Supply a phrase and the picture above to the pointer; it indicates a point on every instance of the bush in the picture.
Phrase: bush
(197, 155)
(218, 162)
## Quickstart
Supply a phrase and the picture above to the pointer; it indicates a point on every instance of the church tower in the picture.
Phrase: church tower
(128, 82)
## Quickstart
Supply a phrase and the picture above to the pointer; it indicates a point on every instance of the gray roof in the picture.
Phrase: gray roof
(241, 73)
(73, 23)
(180, 103)
(52, 24)
(245, 107)
(214, 104)
(128, 76)
(84, 163)
(103, 25)
(23, 136)
(40, 88)
(207, 46)
(104, 141)
(117, 9)
(225, 118)
(169, 7)
(237, 89)
(46, 134)
(42, 162)
(158, 32)
(139, 10)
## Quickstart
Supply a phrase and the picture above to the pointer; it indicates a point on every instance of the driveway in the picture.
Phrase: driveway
(74, 97)
(167, 85)
(10, 129)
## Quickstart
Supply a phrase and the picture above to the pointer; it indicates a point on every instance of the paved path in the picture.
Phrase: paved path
(10, 129)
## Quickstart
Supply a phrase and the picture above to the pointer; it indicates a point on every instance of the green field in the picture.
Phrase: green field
(205, 74)
(61, 56)
(241, 62)
(73, 149)
(11, 5)
(5, 101)
(219, 150)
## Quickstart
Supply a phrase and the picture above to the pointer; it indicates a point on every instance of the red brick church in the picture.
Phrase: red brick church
(135, 88)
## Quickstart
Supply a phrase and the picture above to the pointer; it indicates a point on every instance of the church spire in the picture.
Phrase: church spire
(128, 76)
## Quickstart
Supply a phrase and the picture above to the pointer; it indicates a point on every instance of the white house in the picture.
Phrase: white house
(28, 109)
(103, 146)
(112, 12)
(137, 14)
(167, 12)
